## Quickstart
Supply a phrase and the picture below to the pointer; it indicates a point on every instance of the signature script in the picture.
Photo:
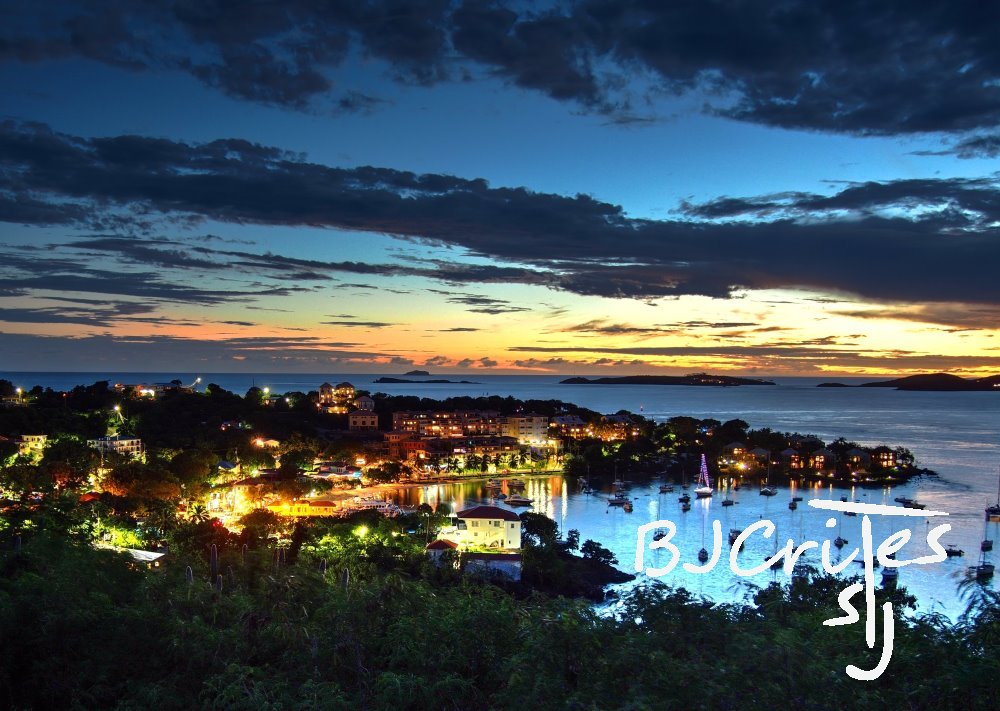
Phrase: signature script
(884, 554)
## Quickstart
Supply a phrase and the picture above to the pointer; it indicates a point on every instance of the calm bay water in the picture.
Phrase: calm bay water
(955, 434)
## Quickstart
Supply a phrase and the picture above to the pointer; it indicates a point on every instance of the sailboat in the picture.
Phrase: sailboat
(704, 488)
(703, 553)
(618, 496)
(780, 561)
(983, 571)
(840, 541)
(993, 512)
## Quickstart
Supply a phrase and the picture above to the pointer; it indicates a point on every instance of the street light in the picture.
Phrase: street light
(19, 391)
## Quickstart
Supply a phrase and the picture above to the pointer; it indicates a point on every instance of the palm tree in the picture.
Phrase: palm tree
(199, 513)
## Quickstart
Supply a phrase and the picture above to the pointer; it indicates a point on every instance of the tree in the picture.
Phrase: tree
(538, 529)
(388, 473)
(199, 513)
(193, 466)
(573, 539)
(592, 550)
(258, 525)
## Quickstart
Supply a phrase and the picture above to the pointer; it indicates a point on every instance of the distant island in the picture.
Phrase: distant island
(416, 372)
(692, 379)
(423, 382)
(930, 382)
(939, 382)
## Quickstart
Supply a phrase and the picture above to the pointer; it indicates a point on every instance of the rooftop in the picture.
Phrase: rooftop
(488, 512)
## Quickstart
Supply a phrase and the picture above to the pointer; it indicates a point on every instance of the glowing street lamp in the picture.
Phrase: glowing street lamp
(118, 411)
(19, 391)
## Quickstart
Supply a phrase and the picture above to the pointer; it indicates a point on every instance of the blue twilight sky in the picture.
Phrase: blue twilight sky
(585, 187)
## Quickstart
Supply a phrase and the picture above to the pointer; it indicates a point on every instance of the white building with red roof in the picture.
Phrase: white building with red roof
(485, 527)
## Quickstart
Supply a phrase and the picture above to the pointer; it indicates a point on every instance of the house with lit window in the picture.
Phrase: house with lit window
(858, 459)
(362, 420)
(571, 426)
(31, 445)
(336, 399)
(126, 446)
(822, 460)
(790, 458)
(530, 428)
(485, 527)
(885, 457)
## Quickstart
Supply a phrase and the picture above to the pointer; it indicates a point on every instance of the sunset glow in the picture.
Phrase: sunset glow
(439, 205)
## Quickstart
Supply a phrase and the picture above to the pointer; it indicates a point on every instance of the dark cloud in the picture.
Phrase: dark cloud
(355, 102)
(459, 329)
(852, 66)
(963, 316)
(358, 324)
(984, 146)
(603, 328)
(170, 353)
(900, 241)
(485, 304)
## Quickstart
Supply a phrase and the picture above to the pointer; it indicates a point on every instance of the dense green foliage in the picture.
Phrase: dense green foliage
(80, 628)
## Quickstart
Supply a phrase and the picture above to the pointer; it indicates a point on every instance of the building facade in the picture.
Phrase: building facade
(128, 447)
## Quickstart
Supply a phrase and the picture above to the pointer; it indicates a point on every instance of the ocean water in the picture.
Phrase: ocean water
(955, 434)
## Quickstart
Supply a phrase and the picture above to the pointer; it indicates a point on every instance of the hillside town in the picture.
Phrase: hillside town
(146, 451)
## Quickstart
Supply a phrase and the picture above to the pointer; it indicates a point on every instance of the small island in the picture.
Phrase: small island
(940, 382)
(416, 372)
(692, 379)
(394, 381)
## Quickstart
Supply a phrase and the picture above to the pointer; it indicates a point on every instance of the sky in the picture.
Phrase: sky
(803, 187)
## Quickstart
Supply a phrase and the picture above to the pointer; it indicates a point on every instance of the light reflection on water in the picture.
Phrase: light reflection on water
(935, 585)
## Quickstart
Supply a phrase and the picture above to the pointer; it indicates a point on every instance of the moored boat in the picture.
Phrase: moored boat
(515, 500)
(704, 488)
(983, 571)
(889, 576)
(728, 502)
(953, 551)
(993, 512)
